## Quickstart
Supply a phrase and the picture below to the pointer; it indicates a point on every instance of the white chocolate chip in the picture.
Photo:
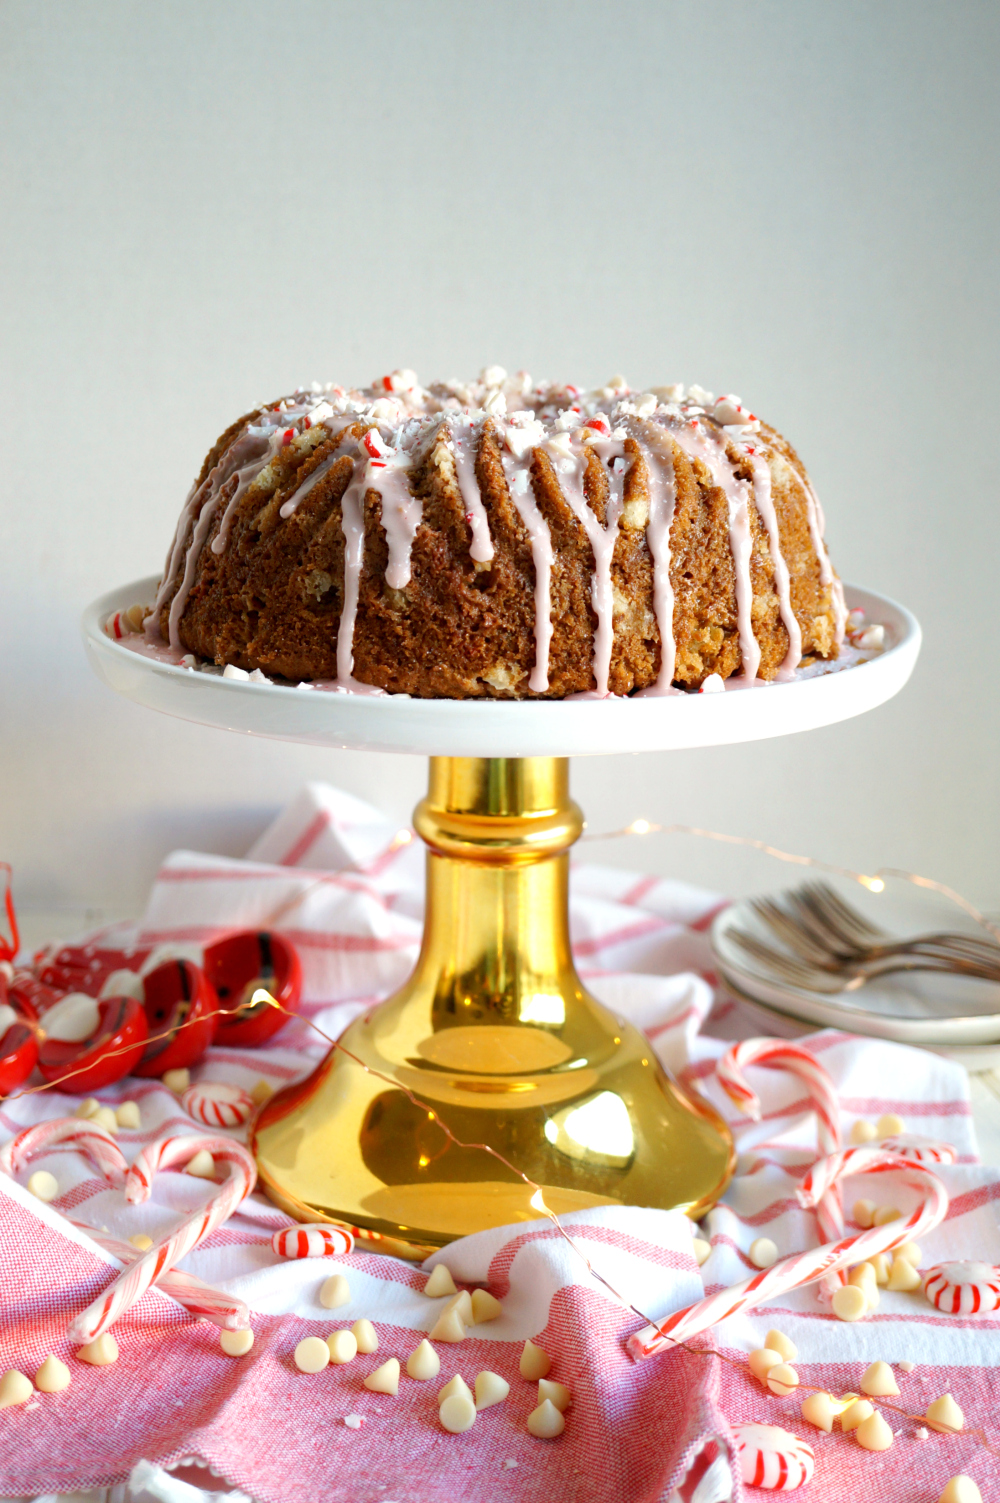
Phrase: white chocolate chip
(855, 1414)
(911, 1252)
(105, 1117)
(961, 1489)
(462, 1302)
(761, 1360)
(440, 1282)
(906, 1367)
(343, 1347)
(334, 1292)
(15, 1388)
(43, 1185)
(423, 1363)
(777, 1341)
(903, 1277)
(849, 1302)
(546, 1422)
(490, 1389)
(863, 1132)
(484, 1307)
(702, 1251)
(449, 1327)
(236, 1343)
(457, 1384)
(556, 1393)
(458, 1413)
(385, 1379)
(878, 1381)
(202, 1166)
(873, 1434)
(366, 1336)
(944, 1415)
(100, 1353)
(880, 1263)
(141, 1241)
(261, 1092)
(885, 1214)
(864, 1211)
(782, 1380)
(177, 1080)
(128, 1114)
(53, 1376)
(311, 1355)
(819, 1409)
(87, 1108)
(535, 1363)
(763, 1253)
(888, 1125)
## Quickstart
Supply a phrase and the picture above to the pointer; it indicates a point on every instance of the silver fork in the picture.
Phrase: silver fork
(816, 924)
(847, 976)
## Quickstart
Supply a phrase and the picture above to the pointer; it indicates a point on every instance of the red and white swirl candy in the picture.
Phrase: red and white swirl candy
(963, 1288)
(913, 1145)
(772, 1457)
(781, 1055)
(807, 1267)
(93, 1141)
(169, 1153)
(218, 1104)
(312, 1241)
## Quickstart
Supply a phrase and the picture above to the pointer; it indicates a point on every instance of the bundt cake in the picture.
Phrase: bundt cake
(501, 539)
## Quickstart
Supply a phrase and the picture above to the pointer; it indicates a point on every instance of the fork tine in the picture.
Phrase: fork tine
(793, 934)
(811, 916)
(850, 919)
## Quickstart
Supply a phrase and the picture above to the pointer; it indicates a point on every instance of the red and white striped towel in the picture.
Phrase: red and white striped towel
(348, 889)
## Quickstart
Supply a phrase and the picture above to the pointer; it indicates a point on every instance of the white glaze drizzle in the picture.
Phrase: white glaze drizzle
(817, 527)
(353, 526)
(401, 515)
(518, 473)
(570, 466)
(481, 548)
(662, 487)
(696, 443)
(291, 506)
(764, 502)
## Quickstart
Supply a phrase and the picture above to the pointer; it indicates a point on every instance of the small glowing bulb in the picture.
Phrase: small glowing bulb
(404, 837)
(423, 1161)
(538, 1204)
(873, 884)
(639, 827)
(260, 995)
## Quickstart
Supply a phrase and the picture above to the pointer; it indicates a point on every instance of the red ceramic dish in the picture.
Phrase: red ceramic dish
(181, 1003)
(18, 1044)
(239, 965)
(112, 1051)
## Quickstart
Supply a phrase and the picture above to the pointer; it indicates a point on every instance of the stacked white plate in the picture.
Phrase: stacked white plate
(952, 1015)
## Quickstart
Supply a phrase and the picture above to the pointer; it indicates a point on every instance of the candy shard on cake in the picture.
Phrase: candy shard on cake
(502, 539)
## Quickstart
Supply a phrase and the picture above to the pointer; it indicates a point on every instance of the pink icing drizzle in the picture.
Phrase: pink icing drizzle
(481, 548)
(659, 457)
(519, 485)
(765, 506)
(602, 540)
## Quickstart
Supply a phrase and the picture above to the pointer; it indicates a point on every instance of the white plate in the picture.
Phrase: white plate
(935, 1011)
(503, 728)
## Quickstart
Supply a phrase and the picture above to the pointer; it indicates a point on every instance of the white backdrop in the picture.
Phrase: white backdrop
(205, 205)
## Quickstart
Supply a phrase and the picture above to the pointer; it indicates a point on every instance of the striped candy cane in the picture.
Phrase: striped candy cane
(806, 1267)
(782, 1055)
(93, 1141)
(130, 1285)
(197, 1297)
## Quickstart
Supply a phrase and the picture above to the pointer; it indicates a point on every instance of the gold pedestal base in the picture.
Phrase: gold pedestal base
(495, 1036)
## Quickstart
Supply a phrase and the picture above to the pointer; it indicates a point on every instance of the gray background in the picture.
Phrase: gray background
(208, 203)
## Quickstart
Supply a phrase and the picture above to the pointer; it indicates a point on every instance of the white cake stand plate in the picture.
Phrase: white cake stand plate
(818, 695)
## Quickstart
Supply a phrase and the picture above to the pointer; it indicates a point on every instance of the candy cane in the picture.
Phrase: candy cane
(93, 1141)
(782, 1055)
(130, 1285)
(806, 1267)
(197, 1297)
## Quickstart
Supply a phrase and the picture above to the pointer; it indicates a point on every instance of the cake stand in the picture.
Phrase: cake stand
(494, 1033)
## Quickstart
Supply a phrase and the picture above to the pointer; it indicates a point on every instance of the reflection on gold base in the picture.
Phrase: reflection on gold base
(495, 1034)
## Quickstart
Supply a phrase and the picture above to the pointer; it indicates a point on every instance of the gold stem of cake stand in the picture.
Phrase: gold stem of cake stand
(495, 1032)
